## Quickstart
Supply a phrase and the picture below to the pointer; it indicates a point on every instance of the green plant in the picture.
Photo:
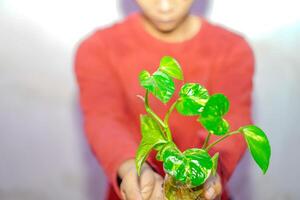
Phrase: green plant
(193, 166)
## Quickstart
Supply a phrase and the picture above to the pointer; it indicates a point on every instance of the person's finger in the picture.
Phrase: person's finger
(147, 182)
(122, 190)
(131, 188)
(213, 188)
(218, 185)
(157, 193)
(210, 193)
(123, 196)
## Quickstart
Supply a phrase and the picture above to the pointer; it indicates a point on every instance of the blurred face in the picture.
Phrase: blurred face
(165, 15)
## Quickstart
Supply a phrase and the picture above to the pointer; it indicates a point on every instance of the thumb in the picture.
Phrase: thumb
(130, 188)
(147, 183)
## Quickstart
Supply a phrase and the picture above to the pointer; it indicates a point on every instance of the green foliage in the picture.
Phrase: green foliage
(167, 146)
(159, 84)
(200, 165)
(193, 98)
(171, 67)
(258, 144)
(152, 137)
(211, 117)
(174, 163)
(192, 166)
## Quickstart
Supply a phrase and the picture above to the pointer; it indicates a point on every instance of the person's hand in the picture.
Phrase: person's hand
(213, 188)
(147, 186)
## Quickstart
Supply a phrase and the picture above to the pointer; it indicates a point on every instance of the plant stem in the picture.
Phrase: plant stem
(206, 140)
(220, 139)
(151, 113)
(166, 120)
(167, 116)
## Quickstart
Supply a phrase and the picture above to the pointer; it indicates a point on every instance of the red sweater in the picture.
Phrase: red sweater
(107, 65)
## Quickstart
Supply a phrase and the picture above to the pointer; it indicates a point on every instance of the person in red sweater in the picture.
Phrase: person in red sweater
(107, 64)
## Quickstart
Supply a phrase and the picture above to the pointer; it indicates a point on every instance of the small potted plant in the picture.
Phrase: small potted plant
(187, 171)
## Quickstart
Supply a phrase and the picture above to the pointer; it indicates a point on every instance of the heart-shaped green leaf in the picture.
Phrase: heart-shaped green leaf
(192, 166)
(200, 165)
(152, 137)
(175, 164)
(258, 144)
(193, 98)
(211, 117)
(214, 124)
(161, 151)
(171, 67)
(159, 84)
(217, 105)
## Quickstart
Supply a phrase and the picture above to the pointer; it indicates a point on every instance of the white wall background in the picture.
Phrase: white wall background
(42, 149)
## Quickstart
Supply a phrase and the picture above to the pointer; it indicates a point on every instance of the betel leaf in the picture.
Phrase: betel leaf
(214, 160)
(212, 116)
(159, 84)
(258, 144)
(171, 67)
(152, 137)
(192, 166)
(192, 100)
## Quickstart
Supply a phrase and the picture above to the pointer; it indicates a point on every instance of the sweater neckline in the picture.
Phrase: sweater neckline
(152, 42)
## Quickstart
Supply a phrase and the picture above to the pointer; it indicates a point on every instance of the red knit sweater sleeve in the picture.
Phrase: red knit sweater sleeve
(107, 125)
(234, 78)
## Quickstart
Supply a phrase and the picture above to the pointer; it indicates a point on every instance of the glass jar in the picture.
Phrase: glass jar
(176, 190)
